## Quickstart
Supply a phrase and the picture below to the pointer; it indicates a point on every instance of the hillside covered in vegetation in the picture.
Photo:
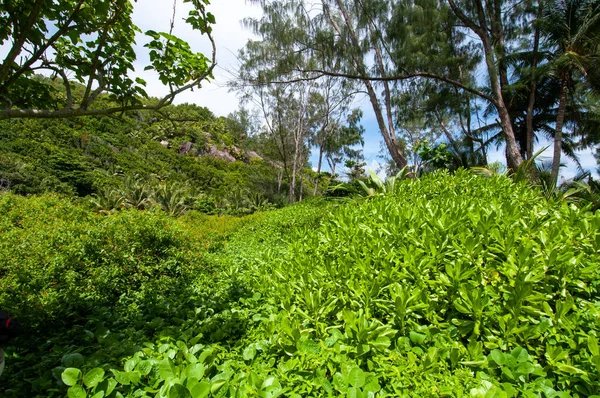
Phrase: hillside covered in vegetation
(184, 155)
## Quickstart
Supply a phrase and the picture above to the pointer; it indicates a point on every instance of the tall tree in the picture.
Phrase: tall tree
(354, 39)
(331, 101)
(342, 141)
(573, 27)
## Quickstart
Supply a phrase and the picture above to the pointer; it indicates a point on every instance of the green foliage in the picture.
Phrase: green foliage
(435, 157)
(91, 42)
(448, 285)
(375, 185)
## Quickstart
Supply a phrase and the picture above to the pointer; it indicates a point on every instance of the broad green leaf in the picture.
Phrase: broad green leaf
(166, 369)
(121, 377)
(525, 368)
(93, 377)
(74, 360)
(76, 392)
(498, 357)
(356, 378)
(71, 376)
(563, 367)
(592, 342)
(201, 390)
(249, 353)
(179, 391)
(194, 371)
(217, 384)
(417, 338)
(144, 367)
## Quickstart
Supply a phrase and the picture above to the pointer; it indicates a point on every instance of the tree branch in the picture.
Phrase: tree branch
(426, 75)
(83, 111)
(38, 54)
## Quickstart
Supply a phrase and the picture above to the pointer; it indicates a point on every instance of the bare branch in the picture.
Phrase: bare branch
(318, 73)
(48, 65)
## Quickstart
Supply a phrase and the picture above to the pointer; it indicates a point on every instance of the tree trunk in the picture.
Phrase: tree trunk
(495, 73)
(387, 131)
(513, 155)
(279, 180)
(301, 184)
(292, 190)
(531, 104)
(448, 135)
(484, 154)
(332, 166)
(319, 167)
(560, 119)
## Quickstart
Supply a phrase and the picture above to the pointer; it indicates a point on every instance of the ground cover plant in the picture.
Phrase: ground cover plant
(448, 285)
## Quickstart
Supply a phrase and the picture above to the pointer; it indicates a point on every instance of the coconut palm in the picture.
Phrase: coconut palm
(572, 28)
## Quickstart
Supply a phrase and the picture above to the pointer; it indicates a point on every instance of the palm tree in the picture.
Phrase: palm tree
(572, 27)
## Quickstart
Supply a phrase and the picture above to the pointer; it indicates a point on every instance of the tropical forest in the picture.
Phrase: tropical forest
(299, 198)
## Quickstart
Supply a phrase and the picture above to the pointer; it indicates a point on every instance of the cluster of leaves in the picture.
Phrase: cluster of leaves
(91, 42)
(175, 199)
(444, 286)
(448, 272)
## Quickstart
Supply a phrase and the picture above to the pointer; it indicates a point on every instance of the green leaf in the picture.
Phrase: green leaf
(498, 357)
(249, 352)
(71, 376)
(592, 342)
(217, 384)
(121, 377)
(179, 391)
(76, 392)
(525, 368)
(201, 390)
(166, 369)
(417, 338)
(270, 388)
(356, 378)
(93, 377)
(194, 371)
(144, 367)
(74, 360)
(563, 367)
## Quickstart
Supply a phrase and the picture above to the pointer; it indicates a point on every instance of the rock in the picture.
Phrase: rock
(217, 153)
(165, 143)
(185, 148)
(254, 155)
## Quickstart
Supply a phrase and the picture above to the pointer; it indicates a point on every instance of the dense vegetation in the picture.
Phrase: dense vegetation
(148, 251)
(198, 160)
(445, 286)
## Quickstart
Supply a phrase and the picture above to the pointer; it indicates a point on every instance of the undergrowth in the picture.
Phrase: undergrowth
(451, 286)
